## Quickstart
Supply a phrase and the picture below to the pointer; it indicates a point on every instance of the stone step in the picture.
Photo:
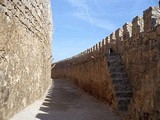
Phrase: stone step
(121, 82)
(123, 88)
(115, 61)
(113, 54)
(124, 101)
(117, 69)
(115, 64)
(114, 57)
(123, 108)
(121, 79)
(125, 76)
(121, 72)
(119, 75)
(124, 94)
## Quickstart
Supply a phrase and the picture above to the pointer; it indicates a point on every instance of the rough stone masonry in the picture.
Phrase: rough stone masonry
(25, 53)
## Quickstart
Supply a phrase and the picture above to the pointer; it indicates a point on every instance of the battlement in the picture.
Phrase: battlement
(122, 38)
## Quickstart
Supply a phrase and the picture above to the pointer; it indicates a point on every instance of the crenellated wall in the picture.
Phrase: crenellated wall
(25, 53)
(138, 44)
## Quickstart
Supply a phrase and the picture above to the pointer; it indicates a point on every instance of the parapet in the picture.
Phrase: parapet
(151, 18)
(137, 26)
(129, 32)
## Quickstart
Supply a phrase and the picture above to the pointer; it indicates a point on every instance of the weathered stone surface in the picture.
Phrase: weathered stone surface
(140, 53)
(25, 53)
(119, 39)
(127, 31)
(151, 18)
(158, 30)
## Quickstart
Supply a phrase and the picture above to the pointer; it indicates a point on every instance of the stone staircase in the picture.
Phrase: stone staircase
(123, 88)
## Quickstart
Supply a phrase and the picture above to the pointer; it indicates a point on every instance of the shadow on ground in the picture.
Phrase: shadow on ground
(65, 101)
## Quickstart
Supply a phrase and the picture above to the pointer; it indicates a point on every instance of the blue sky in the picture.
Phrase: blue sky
(80, 24)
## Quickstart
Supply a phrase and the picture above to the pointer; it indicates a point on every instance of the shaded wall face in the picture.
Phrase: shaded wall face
(25, 53)
(92, 75)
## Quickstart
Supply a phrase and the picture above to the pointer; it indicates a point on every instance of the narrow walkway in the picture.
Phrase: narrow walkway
(65, 101)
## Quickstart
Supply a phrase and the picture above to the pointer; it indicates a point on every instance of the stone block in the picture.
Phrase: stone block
(152, 35)
(151, 18)
(127, 31)
(119, 34)
(112, 39)
(158, 30)
(137, 26)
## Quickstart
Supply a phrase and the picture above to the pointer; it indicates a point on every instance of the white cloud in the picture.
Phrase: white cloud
(77, 3)
(105, 24)
(82, 11)
(92, 12)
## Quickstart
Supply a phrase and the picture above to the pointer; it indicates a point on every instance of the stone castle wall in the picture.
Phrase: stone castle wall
(138, 44)
(25, 53)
